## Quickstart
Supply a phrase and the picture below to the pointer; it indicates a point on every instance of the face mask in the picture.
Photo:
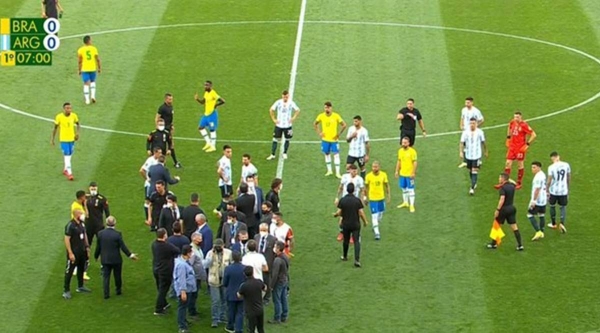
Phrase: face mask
(263, 233)
(230, 221)
(170, 205)
(244, 241)
(275, 250)
(93, 193)
(82, 217)
(273, 221)
(265, 212)
(160, 128)
(218, 249)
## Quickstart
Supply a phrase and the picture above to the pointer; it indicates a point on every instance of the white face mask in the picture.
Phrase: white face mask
(93, 193)
(82, 217)
(161, 127)
(263, 233)
(230, 221)
(170, 205)
(273, 221)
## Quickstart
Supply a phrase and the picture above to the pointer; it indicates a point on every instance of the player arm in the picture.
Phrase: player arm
(536, 194)
(221, 173)
(157, 117)
(98, 63)
(170, 141)
(295, 115)
(77, 129)
(201, 101)
(59, 7)
(149, 143)
(415, 164)
(337, 213)
(422, 125)
(397, 170)
(400, 116)
(150, 211)
(461, 149)
(484, 148)
(339, 191)
(68, 245)
(106, 209)
(532, 137)
(344, 126)
(367, 149)
(143, 173)
(220, 102)
(79, 63)
(387, 189)
(316, 126)
(53, 133)
(500, 202)
(272, 114)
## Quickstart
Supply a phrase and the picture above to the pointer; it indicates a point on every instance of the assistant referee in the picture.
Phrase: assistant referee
(506, 210)
(409, 116)
(350, 208)
(166, 113)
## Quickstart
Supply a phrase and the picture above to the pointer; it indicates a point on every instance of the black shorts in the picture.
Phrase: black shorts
(507, 214)
(537, 210)
(359, 160)
(226, 190)
(287, 132)
(473, 164)
(562, 200)
(409, 134)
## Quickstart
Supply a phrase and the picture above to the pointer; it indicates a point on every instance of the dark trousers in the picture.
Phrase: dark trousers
(92, 229)
(116, 269)
(163, 282)
(235, 321)
(354, 233)
(192, 298)
(252, 231)
(266, 280)
(80, 260)
(256, 323)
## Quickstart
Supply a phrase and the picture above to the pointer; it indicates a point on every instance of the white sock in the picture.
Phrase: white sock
(336, 161)
(86, 93)
(404, 195)
(213, 138)
(411, 197)
(375, 218)
(93, 89)
(328, 162)
(204, 134)
(68, 164)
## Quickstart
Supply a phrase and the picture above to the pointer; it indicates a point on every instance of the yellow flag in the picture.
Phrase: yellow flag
(496, 233)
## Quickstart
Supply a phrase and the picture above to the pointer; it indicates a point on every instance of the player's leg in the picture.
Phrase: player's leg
(510, 157)
(411, 194)
(349, 161)
(521, 169)
(288, 134)
(214, 123)
(93, 86)
(85, 76)
(562, 203)
(326, 149)
(552, 202)
(203, 124)
(335, 148)
(374, 206)
(277, 132)
(534, 223)
(68, 148)
(542, 215)
(402, 183)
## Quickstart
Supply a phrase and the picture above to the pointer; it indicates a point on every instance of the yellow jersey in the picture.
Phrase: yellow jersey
(74, 206)
(210, 100)
(88, 54)
(407, 157)
(66, 124)
(329, 125)
(376, 185)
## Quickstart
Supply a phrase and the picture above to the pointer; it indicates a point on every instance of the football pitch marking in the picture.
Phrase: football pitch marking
(292, 86)
(357, 23)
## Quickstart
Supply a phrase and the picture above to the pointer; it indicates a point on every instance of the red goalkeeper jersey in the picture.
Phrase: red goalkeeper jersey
(518, 133)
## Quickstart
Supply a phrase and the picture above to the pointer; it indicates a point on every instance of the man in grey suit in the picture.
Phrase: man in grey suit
(266, 243)
(231, 229)
(160, 172)
(110, 244)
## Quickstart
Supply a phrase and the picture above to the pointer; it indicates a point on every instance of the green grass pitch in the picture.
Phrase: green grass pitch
(430, 272)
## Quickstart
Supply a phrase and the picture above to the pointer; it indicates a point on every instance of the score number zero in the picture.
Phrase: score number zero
(51, 41)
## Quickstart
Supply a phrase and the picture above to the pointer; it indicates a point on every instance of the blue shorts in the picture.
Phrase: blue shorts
(88, 76)
(212, 121)
(406, 183)
(67, 148)
(377, 206)
(330, 147)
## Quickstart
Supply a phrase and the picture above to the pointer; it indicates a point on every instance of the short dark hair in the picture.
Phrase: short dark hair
(285, 92)
(86, 39)
(172, 197)
(194, 197)
(248, 271)
(225, 147)
(251, 245)
(406, 138)
(504, 176)
(232, 203)
(410, 100)
(554, 154)
(161, 159)
(247, 156)
(160, 182)
(186, 249)
(177, 227)
(469, 99)
(208, 81)
(79, 194)
(268, 204)
(357, 117)
(537, 163)
(161, 232)
(156, 149)
(168, 95)
(280, 246)
(243, 188)
(280, 214)
(353, 167)
(276, 182)
(473, 119)
(231, 213)
(518, 112)
(350, 187)
(66, 103)
(236, 256)
(328, 103)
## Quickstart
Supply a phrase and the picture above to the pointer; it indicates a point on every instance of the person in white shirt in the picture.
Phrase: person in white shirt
(537, 205)
(472, 149)
(283, 113)
(359, 187)
(359, 147)
(255, 260)
(559, 181)
(150, 161)
(224, 171)
(248, 169)
(468, 112)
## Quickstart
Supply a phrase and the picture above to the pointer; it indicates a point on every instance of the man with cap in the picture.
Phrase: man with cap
(97, 206)
(110, 245)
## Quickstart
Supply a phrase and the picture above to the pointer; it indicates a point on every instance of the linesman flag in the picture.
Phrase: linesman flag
(496, 233)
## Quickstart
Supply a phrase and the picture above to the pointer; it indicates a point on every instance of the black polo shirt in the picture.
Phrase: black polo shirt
(158, 202)
(163, 256)
(273, 198)
(251, 290)
(350, 206)
(76, 231)
(409, 123)
(166, 113)
(508, 191)
(97, 206)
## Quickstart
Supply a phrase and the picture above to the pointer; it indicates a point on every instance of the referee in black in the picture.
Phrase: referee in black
(350, 208)
(165, 112)
(506, 210)
(161, 137)
(51, 8)
(97, 206)
(409, 116)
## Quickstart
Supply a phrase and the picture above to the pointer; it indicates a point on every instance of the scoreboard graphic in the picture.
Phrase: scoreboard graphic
(28, 41)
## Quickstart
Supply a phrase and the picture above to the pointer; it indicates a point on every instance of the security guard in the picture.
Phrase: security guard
(161, 138)
(166, 113)
(97, 206)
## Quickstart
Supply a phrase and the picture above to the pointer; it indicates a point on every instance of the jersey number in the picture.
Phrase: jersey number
(561, 175)
(88, 55)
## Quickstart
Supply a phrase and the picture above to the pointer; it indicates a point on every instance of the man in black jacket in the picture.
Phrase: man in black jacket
(110, 243)
(273, 195)
(169, 214)
(246, 204)
(189, 215)
(97, 206)
(163, 261)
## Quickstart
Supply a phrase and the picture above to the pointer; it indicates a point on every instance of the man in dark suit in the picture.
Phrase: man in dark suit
(266, 243)
(231, 229)
(110, 244)
(253, 188)
(246, 203)
(232, 280)
(207, 235)
(230, 207)
(163, 261)
(160, 172)
(169, 214)
(189, 215)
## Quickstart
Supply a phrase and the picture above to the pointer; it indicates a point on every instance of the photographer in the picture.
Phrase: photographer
(217, 259)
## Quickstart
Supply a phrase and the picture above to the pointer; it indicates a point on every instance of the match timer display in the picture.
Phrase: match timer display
(28, 41)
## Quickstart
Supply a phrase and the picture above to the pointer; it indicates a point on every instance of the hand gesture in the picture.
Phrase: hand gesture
(524, 148)
(52, 142)
(183, 296)
(461, 155)
(496, 214)
(148, 152)
(134, 257)
(196, 96)
(148, 221)
(178, 178)
(336, 201)
(76, 137)
(396, 174)
(71, 257)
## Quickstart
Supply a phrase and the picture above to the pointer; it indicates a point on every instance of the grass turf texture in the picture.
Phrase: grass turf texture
(430, 272)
